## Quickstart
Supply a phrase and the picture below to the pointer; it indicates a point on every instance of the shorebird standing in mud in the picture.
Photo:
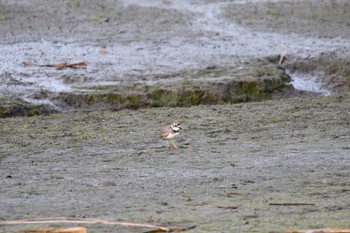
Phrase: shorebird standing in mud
(169, 132)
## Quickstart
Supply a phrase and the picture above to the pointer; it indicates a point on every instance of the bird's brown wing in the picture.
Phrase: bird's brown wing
(164, 131)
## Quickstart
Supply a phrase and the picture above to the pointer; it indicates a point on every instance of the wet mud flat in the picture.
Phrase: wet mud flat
(283, 164)
(269, 166)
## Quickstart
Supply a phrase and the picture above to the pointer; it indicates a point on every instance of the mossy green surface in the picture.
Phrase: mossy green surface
(182, 98)
(9, 108)
(256, 80)
(163, 98)
(214, 85)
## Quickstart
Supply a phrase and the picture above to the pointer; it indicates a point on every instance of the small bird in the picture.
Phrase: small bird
(169, 132)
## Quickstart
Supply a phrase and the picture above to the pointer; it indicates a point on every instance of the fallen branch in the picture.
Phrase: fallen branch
(289, 204)
(81, 221)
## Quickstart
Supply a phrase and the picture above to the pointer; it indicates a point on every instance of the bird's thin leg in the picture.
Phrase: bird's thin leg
(167, 143)
(174, 144)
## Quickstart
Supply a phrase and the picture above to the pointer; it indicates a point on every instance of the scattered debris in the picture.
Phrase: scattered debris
(232, 194)
(289, 204)
(227, 207)
(210, 67)
(175, 229)
(28, 63)
(103, 51)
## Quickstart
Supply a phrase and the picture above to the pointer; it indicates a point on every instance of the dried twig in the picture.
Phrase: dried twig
(283, 56)
(65, 64)
(232, 194)
(57, 230)
(58, 65)
(80, 221)
(227, 207)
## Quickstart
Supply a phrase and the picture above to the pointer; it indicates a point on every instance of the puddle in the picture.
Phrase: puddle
(307, 82)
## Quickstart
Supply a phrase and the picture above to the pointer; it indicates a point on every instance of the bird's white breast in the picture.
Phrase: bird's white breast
(172, 135)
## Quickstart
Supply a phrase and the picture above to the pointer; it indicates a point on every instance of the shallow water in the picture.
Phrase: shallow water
(309, 83)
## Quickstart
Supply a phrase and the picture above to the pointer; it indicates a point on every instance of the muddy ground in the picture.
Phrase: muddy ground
(196, 52)
(111, 165)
